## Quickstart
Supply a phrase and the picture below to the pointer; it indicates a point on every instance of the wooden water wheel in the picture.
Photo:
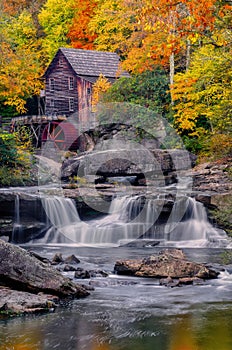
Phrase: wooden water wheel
(63, 135)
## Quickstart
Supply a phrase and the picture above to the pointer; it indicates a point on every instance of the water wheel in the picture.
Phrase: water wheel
(63, 135)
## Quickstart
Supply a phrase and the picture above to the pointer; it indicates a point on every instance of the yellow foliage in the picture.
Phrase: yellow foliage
(203, 94)
(99, 87)
(20, 65)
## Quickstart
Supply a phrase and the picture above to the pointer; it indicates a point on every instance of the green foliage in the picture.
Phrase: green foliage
(8, 149)
(193, 144)
(141, 101)
(21, 29)
(11, 177)
(149, 89)
(7, 111)
(15, 159)
(24, 138)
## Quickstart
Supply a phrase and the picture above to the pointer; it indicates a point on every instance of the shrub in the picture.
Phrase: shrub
(15, 159)
(221, 145)
(9, 177)
(8, 149)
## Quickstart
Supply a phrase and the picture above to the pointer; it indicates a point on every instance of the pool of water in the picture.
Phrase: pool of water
(125, 313)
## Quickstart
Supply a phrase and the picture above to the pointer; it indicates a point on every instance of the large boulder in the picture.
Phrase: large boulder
(127, 162)
(168, 263)
(22, 271)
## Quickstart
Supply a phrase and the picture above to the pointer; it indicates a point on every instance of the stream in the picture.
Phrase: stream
(125, 313)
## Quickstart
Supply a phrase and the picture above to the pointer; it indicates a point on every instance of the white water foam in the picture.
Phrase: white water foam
(130, 218)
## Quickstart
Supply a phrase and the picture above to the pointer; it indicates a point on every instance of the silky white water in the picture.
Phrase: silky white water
(17, 227)
(130, 218)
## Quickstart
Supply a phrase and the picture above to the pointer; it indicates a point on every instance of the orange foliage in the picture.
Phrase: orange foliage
(79, 33)
(12, 7)
(173, 23)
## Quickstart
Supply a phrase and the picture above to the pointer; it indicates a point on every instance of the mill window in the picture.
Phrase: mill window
(71, 83)
(71, 104)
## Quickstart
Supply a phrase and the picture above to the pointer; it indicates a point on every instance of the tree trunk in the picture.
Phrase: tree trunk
(188, 54)
(172, 72)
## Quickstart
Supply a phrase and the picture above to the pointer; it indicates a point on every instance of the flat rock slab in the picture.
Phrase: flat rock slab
(127, 162)
(20, 270)
(14, 302)
(168, 263)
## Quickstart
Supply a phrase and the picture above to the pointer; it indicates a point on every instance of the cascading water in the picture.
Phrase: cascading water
(194, 229)
(131, 218)
(61, 215)
(60, 211)
(17, 227)
(67, 226)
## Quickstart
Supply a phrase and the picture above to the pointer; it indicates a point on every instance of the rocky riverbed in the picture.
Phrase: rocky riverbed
(31, 283)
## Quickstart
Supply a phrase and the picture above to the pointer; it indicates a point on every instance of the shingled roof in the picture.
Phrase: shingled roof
(91, 63)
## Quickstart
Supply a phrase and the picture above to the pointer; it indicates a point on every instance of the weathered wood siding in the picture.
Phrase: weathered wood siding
(61, 100)
(84, 89)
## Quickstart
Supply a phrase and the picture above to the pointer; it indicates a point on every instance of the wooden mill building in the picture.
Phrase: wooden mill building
(70, 77)
(69, 81)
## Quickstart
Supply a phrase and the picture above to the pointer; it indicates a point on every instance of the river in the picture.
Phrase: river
(125, 313)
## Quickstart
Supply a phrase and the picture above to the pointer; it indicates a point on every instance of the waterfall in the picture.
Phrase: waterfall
(68, 228)
(17, 227)
(62, 216)
(131, 218)
(194, 229)
(60, 211)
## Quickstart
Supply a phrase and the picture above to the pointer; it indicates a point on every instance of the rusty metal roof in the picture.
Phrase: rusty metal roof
(93, 63)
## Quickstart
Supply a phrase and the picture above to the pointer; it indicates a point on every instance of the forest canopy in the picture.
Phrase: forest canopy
(180, 54)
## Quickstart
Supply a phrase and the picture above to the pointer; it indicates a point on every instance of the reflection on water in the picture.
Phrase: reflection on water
(130, 313)
(194, 331)
(182, 335)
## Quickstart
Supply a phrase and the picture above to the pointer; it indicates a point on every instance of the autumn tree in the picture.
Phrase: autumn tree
(14, 7)
(203, 95)
(147, 33)
(56, 18)
(116, 26)
(204, 91)
(101, 85)
(79, 32)
(178, 25)
(20, 66)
